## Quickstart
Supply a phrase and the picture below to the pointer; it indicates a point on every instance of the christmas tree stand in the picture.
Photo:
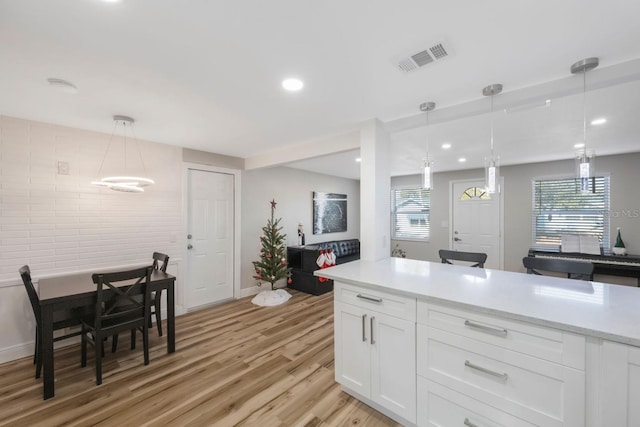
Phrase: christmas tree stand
(271, 298)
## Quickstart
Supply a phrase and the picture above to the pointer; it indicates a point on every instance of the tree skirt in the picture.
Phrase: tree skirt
(271, 298)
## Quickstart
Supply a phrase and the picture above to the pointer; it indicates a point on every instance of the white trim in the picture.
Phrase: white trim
(501, 207)
(237, 185)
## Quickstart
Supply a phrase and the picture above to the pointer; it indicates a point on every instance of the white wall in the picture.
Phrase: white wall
(625, 205)
(292, 190)
(61, 223)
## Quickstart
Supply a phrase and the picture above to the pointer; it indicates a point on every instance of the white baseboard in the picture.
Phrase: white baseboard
(253, 290)
(16, 352)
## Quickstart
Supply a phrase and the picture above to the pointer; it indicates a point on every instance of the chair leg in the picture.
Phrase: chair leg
(38, 353)
(99, 349)
(145, 344)
(35, 351)
(114, 343)
(83, 347)
(133, 339)
(157, 309)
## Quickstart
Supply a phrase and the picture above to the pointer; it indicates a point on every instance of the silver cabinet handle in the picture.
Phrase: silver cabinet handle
(364, 320)
(469, 423)
(503, 377)
(487, 329)
(372, 340)
(369, 298)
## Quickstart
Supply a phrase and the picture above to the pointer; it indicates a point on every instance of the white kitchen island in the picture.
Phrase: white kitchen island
(435, 344)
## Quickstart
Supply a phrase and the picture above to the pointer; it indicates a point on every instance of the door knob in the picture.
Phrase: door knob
(189, 246)
(455, 239)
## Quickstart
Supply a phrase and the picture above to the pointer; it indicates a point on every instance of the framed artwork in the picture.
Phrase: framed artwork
(329, 212)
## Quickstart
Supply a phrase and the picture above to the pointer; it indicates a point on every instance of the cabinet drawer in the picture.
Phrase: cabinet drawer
(441, 406)
(394, 305)
(546, 343)
(530, 388)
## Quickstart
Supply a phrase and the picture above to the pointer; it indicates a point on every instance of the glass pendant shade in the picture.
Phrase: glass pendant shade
(585, 161)
(492, 163)
(585, 168)
(427, 164)
(492, 174)
(427, 174)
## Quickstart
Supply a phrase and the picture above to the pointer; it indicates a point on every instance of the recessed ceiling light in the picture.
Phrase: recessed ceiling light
(111, 1)
(446, 146)
(62, 85)
(462, 159)
(358, 159)
(599, 121)
(578, 145)
(292, 85)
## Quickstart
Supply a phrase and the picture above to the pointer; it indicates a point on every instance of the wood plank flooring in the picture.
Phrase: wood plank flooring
(235, 364)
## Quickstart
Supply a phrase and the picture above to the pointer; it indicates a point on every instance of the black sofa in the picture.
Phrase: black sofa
(302, 260)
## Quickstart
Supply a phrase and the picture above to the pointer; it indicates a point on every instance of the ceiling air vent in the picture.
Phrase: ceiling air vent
(421, 58)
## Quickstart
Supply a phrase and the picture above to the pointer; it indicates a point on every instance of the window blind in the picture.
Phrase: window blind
(410, 213)
(559, 207)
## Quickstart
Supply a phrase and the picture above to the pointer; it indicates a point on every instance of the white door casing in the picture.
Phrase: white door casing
(210, 237)
(476, 221)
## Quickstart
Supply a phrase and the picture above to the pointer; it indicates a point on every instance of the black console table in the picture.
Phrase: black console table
(302, 260)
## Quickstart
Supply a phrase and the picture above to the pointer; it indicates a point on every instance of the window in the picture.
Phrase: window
(560, 208)
(475, 193)
(410, 212)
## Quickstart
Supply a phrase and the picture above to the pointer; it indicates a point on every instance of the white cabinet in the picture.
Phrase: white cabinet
(619, 390)
(508, 368)
(375, 348)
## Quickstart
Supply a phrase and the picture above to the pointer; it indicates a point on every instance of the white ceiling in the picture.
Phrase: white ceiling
(206, 74)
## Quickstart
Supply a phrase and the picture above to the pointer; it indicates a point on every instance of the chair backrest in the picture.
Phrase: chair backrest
(574, 269)
(478, 258)
(160, 261)
(118, 296)
(25, 273)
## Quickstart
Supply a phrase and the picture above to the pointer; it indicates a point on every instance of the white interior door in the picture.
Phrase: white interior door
(210, 214)
(476, 221)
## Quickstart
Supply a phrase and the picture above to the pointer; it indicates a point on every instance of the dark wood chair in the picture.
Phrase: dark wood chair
(160, 262)
(61, 319)
(119, 308)
(574, 269)
(477, 258)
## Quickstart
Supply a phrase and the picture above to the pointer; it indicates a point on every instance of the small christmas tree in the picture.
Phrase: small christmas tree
(272, 265)
(618, 247)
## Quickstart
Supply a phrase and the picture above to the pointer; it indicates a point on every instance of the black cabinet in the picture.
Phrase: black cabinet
(302, 260)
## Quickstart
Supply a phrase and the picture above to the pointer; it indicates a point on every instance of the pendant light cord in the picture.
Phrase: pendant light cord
(115, 124)
(492, 157)
(584, 110)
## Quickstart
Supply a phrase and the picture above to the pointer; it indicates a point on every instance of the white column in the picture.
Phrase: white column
(374, 191)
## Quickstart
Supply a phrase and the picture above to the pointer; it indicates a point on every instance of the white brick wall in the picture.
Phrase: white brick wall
(62, 223)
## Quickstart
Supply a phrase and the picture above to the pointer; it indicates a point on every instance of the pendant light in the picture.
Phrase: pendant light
(427, 163)
(492, 163)
(585, 161)
(124, 182)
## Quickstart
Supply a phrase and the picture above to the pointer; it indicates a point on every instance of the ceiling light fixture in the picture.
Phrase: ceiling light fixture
(446, 146)
(492, 163)
(599, 121)
(578, 145)
(462, 159)
(427, 164)
(358, 159)
(124, 182)
(292, 84)
(585, 160)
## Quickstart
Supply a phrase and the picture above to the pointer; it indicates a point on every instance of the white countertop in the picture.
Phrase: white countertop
(597, 309)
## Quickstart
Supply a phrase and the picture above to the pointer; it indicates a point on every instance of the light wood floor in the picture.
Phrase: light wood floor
(235, 364)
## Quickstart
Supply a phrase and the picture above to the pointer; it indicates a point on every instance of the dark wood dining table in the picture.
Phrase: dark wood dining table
(78, 290)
